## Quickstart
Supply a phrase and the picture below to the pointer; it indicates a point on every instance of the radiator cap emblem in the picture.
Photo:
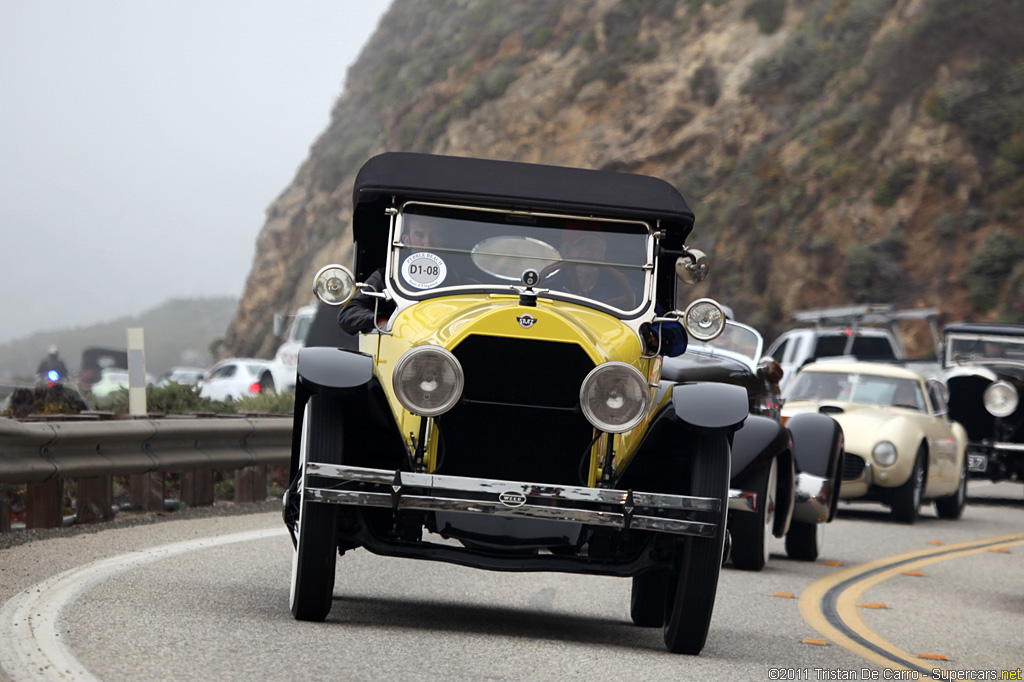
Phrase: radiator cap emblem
(511, 498)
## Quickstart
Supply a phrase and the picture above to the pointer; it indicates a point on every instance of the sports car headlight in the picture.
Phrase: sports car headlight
(704, 319)
(428, 380)
(334, 285)
(614, 397)
(1000, 399)
(884, 453)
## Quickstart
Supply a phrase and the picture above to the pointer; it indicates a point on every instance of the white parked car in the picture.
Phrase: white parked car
(232, 379)
(185, 376)
(113, 379)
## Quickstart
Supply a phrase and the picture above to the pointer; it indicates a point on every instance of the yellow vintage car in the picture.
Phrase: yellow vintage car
(901, 446)
(506, 408)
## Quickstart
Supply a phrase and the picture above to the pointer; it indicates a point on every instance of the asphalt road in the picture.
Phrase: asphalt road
(207, 598)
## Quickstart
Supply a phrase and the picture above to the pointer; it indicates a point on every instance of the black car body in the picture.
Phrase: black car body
(983, 367)
(792, 472)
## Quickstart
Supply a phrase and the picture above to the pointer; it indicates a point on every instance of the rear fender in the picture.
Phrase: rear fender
(817, 451)
(372, 437)
(754, 445)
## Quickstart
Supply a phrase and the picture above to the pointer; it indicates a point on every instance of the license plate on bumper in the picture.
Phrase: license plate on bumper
(403, 490)
(977, 462)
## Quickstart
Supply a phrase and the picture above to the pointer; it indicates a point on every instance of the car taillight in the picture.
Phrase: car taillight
(254, 387)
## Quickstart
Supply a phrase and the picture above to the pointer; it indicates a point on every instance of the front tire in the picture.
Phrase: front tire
(752, 533)
(804, 541)
(952, 507)
(647, 599)
(692, 584)
(315, 555)
(906, 499)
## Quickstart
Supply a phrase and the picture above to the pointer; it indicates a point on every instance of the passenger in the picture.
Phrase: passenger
(358, 315)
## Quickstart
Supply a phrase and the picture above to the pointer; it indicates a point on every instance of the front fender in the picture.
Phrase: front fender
(817, 450)
(371, 433)
(333, 368)
(710, 405)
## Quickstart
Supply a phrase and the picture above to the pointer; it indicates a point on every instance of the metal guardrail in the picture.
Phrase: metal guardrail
(41, 454)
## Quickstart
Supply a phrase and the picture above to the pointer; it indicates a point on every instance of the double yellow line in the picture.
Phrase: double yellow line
(830, 604)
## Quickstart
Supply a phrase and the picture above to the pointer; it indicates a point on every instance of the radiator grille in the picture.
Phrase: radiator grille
(853, 466)
(519, 417)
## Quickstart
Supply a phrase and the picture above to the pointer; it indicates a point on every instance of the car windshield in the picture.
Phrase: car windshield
(866, 389)
(446, 249)
(984, 349)
(735, 338)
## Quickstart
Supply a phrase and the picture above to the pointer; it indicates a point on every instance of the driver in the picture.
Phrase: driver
(581, 243)
(357, 316)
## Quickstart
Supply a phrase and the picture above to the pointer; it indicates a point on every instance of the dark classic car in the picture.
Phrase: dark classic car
(983, 366)
(507, 409)
(791, 472)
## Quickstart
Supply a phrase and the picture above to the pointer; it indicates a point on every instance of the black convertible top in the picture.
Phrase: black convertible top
(505, 184)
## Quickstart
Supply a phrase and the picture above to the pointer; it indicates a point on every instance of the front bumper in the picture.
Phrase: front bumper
(995, 461)
(600, 507)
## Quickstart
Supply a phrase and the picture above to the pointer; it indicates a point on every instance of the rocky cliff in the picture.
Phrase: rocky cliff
(834, 151)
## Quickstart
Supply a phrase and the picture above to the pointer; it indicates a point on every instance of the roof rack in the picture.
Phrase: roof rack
(869, 313)
(877, 314)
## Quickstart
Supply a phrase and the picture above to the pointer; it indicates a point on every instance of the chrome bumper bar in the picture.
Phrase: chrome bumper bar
(571, 504)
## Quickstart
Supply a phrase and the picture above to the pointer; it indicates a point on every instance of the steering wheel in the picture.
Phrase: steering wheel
(624, 297)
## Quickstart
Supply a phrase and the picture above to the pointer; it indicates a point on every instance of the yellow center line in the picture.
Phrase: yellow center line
(829, 605)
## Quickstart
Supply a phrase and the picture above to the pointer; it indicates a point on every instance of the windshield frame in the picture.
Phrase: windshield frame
(716, 347)
(520, 221)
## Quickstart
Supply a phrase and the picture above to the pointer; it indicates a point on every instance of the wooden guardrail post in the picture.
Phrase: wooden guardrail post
(251, 483)
(95, 498)
(5, 509)
(44, 504)
(197, 488)
(146, 491)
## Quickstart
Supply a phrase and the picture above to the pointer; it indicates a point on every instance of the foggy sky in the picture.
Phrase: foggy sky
(141, 142)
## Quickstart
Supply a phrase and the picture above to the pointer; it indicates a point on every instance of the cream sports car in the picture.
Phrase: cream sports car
(901, 445)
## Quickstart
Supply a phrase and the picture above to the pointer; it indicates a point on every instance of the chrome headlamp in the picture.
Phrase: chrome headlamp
(704, 319)
(884, 453)
(614, 397)
(1000, 399)
(428, 380)
(334, 285)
